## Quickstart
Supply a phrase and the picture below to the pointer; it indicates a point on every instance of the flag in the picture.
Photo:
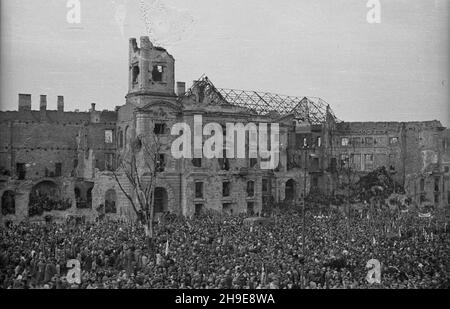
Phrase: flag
(374, 241)
(425, 234)
(251, 229)
(167, 247)
(427, 215)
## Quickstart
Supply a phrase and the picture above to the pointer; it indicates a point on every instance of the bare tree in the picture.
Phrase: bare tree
(138, 169)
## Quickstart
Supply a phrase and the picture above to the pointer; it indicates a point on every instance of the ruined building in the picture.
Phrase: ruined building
(64, 160)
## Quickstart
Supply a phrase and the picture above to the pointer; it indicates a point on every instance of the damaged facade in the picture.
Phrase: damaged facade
(64, 159)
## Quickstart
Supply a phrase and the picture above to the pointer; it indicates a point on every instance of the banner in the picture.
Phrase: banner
(426, 215)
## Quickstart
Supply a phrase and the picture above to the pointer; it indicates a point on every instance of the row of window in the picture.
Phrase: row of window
(226, 188)
(227, 208)
(364, 162)
(224, 163)
(21, 171)
(367, 141)
(157, 73)
(305, 140)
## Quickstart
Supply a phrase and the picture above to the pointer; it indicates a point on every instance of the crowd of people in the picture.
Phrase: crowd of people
(212, 252)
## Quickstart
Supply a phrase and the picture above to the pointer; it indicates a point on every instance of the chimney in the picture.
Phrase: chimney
(181, 89)
(60, 103)
(24, 102)
(92, 107)
(43, 103)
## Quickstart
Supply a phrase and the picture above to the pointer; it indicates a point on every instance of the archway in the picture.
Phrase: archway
(45, 196)
(83, 194)
(110, 202)
(289, 192)
(8, 203)
(161, 201)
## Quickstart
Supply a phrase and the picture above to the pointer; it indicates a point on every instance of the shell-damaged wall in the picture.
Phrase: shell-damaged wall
(72, 152)
(417, 152)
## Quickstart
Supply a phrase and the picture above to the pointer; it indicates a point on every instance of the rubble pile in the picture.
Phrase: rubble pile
(377, 184)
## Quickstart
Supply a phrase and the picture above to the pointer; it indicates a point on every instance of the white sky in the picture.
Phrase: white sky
(397, 70)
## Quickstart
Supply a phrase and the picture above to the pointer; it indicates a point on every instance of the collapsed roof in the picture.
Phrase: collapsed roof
(311, 109)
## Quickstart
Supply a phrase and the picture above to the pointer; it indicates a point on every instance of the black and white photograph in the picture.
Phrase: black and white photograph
(224, 150)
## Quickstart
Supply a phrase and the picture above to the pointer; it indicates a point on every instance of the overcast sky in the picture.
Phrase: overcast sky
(397, 70)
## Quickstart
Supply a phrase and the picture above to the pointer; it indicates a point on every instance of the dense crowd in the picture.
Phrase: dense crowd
(212, 251)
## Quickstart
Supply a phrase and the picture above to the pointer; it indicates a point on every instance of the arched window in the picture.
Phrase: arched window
(8, 203)
(45, 197)
(135, 72)
(290, 190)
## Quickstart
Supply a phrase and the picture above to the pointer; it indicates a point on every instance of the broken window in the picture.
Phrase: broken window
(109, 161)
(197, 162)
(8, 203)
(448, 197)
(161, 163)
(227, 208)
(422, 185)
(80, 202)
(392, 157)
(135, 72)
(226, 189)
(344, 160)
(21, 171)
(198, 209)
(436, 197)
(355, 160)
(157, 73)
(393, 141)
(253, 162)
(368, 141)
(160, 129)
(446, 169)
(108, 136)
(333, 165)
(356, 141)
(344, 141)
(379, 141)
(319, 142)
(250, 208)
(224, 163)
(265, 185)
(436, 184)
(58, 169)
(250, 188)
(315, 165)
(199, 190)
(110, 202)
(315, 182)
(368, 162)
